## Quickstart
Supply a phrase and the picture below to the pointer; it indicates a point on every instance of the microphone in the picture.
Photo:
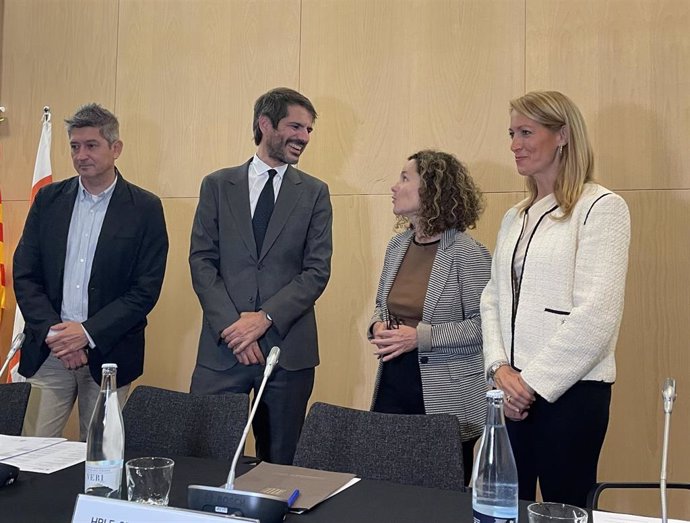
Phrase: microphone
(271, 361)
(226, 500)
(270, 365)
(17, 343)
(668, 393)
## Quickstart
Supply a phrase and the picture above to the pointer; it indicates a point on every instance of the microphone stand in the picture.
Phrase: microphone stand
(271, 362)
(668, 393)
(227, 501)
(17, 343)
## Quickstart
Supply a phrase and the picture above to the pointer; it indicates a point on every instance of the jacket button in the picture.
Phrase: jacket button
(260, 266)
(424, 359)
(251, 299)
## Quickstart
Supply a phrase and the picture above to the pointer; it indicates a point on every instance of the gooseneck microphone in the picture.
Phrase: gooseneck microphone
(227, 501)
(668, 393)
(271, 362)
(17, 343)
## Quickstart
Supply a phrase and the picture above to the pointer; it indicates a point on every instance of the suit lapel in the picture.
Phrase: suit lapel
(439, 273)
(62, 216)
(238, 204)
(289, 195)
(120, 210)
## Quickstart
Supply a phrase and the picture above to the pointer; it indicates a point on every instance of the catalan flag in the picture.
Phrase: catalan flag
(43, 175)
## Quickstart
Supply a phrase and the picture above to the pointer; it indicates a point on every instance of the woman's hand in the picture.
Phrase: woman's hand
(518, 395)
(391, 343)
(377, 327)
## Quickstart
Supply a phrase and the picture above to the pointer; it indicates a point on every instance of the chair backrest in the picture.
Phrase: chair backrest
(14, 397)
(423, 450)
(598, 489)
(167, 422)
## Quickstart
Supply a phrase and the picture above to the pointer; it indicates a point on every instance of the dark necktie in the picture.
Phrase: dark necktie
(263, 211)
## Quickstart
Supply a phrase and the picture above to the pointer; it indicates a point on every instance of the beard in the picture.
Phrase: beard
(277, 149)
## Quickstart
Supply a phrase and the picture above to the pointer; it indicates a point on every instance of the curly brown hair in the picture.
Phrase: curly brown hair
(449, 198)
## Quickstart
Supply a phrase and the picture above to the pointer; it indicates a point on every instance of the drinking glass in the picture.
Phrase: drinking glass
(149, 480)
(546, 512)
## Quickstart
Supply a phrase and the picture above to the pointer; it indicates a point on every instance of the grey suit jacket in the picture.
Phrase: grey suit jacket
(450, 334)
(290, 273)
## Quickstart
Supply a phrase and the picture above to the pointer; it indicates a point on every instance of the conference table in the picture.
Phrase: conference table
(50, 498)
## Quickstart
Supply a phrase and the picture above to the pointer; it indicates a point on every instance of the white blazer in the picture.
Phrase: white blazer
(569, 309)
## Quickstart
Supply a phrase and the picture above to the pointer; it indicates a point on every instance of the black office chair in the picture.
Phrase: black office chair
(423, 450)
(598, 489)
(14, 397)
(166, 422)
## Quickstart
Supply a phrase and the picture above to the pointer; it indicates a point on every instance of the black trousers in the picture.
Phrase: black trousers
(400, 392)
(280, 415)
(559, 443)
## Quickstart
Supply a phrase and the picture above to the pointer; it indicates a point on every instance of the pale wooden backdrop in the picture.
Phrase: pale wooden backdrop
(388, 77)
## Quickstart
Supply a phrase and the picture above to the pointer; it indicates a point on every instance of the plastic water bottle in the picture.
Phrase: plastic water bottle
(105, 442)
(494, 479)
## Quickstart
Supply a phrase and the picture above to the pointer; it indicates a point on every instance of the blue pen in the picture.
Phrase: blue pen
(293, 497)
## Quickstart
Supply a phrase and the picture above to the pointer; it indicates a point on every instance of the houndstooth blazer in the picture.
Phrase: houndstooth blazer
(449, 335)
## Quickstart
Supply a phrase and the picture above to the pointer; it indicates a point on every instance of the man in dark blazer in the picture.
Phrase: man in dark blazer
(260, 257)
(87, 271)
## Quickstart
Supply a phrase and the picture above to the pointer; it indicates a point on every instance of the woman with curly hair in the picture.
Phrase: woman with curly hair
(426, 327)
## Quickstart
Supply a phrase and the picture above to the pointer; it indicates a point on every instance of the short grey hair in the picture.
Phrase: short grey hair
(94, 115)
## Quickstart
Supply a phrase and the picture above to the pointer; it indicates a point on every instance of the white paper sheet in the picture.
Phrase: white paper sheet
(44, 455)
(11, 446)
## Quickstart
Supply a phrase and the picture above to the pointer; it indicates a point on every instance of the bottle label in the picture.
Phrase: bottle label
(478, 517)
(103, 478)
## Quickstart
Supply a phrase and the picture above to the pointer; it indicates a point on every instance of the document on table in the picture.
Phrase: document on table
(314, 486)
(44, 455)
(11, 446)
(612, 517)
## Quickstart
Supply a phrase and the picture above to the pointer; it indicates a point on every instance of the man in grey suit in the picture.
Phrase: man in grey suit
(260, 257)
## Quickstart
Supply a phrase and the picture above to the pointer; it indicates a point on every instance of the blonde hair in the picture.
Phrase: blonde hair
(554, 111)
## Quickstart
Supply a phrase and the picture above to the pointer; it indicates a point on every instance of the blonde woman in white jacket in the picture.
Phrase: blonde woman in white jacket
(552, 309)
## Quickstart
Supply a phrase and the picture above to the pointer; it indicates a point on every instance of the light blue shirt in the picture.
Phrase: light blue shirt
(84, 229)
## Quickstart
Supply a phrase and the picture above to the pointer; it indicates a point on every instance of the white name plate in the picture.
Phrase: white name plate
(92, 509)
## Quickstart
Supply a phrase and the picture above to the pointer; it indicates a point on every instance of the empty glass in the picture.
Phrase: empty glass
(149, 480)
(555, 513)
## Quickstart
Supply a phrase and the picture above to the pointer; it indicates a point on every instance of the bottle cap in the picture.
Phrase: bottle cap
(495, 394)
(109, 366)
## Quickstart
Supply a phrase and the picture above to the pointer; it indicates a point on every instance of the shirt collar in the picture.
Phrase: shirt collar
(261, 167)
(83, 193)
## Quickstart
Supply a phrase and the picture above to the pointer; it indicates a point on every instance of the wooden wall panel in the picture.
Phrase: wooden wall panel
(173, 333)
(188, 74)
(651, 347)
(390, 77)
(625, 63)
(13, 214)
(49, 58)
(361, 230)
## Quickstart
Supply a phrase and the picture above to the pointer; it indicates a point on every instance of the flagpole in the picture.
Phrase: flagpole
(43, 175)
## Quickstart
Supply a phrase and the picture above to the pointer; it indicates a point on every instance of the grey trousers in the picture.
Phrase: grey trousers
(54, 390)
